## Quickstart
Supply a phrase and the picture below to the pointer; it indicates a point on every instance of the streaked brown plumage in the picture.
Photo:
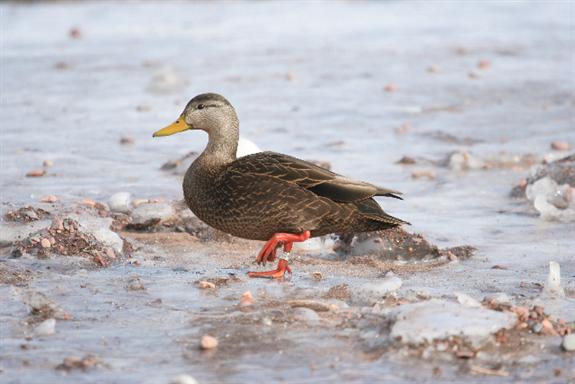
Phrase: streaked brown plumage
(259, 195)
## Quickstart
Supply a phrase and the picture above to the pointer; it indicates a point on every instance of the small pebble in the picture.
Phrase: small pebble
(560, 146)
(547, 328)
(48, 163)
(460, 51)
(75, 33)
(45, 243)
(433, 69)
(247, 299)
(61, 65)
(143, 108)
(521, 312)
(208, 342)
(317, 276)
(126, 140)
(406, 160)
(483, 64)
(317, 306)
(267, 321)
(36, 173)
(110, 253)
(404, 128)
(473, 75)
(206, 285)
(390, 87)
(46, 328)
(135, 284)
(74, 362)
(57, 224)
(49, 199)
(568, 343)
(89, 202)
(429, 175)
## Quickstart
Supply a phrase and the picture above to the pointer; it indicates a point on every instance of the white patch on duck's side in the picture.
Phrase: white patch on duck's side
(246, 147)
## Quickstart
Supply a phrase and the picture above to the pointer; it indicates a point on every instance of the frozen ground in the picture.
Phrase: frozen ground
(495, 79)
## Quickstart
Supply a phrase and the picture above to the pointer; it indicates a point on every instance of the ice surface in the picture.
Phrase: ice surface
(167, 80)
(372, 292)
(307, 81)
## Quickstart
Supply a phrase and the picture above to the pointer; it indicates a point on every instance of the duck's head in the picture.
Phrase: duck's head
(209, 112)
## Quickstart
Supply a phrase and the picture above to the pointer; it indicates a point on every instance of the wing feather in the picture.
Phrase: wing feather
(316, 179)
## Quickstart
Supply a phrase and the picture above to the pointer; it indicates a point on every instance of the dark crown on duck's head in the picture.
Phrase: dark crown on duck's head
(208, 100)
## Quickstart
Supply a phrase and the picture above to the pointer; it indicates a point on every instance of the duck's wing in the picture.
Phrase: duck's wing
(316, 179)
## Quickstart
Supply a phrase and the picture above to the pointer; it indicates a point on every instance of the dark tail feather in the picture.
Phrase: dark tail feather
(388, 219)
(388, 193)
(372, 211)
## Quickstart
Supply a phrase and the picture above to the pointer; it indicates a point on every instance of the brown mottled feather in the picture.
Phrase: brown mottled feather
(258, 195)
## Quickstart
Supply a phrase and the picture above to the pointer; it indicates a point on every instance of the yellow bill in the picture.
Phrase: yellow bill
(179, 125)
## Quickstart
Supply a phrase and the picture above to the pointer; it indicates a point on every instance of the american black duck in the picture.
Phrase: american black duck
(269, 196)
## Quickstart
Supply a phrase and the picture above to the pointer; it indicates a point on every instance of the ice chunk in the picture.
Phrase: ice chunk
(499, 298)
(467, 300)
(183, 379)
(99, 227)
(553, 286)
(152, 212)
(11, 233)
(439, 319)
(552, 201)
(46, 328)
(120, 202)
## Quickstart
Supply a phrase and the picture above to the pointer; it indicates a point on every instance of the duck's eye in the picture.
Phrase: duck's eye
(200, 106)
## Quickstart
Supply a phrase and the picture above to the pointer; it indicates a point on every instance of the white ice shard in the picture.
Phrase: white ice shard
(553, 286)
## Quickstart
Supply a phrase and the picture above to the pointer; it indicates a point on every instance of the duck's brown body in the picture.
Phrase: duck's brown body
(269, 196)
(259, 195)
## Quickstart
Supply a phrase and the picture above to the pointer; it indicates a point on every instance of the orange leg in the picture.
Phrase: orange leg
(268, 253)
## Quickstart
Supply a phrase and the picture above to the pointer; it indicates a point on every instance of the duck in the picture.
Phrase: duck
(270, 196)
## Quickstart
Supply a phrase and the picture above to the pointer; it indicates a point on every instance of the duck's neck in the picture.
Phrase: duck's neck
(222, 144)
